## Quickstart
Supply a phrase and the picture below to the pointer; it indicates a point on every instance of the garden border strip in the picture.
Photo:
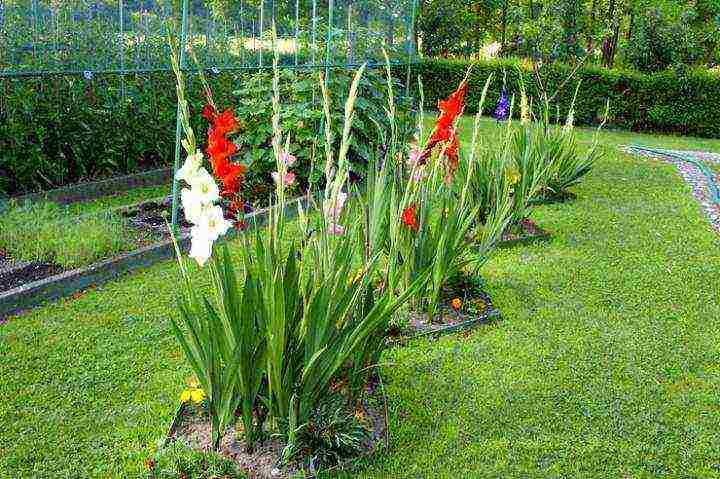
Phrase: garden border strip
(67, 283)
(702, 180)
(97, 189)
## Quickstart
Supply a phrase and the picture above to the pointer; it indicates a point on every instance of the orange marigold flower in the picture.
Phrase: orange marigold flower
(409, 217)
(456, 304)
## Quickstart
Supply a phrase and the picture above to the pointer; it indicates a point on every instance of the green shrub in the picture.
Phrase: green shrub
(686, 103)
(44, 232)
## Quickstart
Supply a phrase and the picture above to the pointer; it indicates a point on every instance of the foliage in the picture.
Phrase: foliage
(177, 460)
(58, 131)
(644, 34)
(331, 434)
(44, 232)
(303, 317)
(685, 103)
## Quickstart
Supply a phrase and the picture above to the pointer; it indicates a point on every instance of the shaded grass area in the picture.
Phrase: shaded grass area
(605, 365)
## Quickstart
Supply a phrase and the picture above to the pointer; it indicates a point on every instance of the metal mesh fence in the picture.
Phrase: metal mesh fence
(49, 37)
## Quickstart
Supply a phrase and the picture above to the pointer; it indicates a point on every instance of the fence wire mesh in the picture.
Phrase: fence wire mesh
(86, 37)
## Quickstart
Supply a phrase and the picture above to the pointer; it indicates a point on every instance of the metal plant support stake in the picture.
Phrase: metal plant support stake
(178, 123)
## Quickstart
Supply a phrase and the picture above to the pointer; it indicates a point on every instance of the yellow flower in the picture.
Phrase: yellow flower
(514, 179)
(197, 395)
(456, 303)
(185, 396)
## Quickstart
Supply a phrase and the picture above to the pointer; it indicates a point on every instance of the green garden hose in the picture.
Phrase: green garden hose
(709, 175)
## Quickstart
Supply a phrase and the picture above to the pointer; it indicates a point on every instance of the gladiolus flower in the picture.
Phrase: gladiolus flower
(333, 210)
(287, 158)
(450, 110)
(456, 304)
(287, 179)
(231, 175)
(336, 229)
(219, 148)
(209, 113)
(193, 206)
(409, 217)
(212, 224)
(204, 187)
(453, 160)
(225, 123)
(190, 168)
(502, 110)
(414, 158)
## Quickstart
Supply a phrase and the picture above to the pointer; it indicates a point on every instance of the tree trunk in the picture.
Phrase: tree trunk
(609, 41)
(503, 44)
(590, 29)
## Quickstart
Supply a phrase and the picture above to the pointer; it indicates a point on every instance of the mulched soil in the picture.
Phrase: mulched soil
(154, 216)
(194, 428)
(693, 176)
(13, 274)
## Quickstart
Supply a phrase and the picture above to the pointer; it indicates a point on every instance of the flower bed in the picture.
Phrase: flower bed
(464, 305)
(367, 416)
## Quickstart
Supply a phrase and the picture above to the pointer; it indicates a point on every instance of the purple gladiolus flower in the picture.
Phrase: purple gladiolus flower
(502, 111)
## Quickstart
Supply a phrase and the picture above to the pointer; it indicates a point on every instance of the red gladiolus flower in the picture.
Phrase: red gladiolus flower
(453, 160)
(225, 123)
(409, 217)
(209, 113)
(453, 107)
(450, 110)
(231, 179)
(219, 148)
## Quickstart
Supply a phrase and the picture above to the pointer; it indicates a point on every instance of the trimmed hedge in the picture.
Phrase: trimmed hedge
(60, 130)
(686, 103)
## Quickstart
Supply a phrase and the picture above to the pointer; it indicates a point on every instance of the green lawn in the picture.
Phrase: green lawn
(607, 362)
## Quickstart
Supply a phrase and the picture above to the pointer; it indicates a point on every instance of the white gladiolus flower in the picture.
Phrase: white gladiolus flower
(190, 168)
(212, 223)
(210, 226)
(204, 187)
(193, 206)
(200, 246)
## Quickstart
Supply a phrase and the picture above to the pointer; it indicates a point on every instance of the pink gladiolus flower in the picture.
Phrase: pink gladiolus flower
(334, 210)
(418, 174)
(414, 158)
(336, 229)
(287, 158)
(287, 180)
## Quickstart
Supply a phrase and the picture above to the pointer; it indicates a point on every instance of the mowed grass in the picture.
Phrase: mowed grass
(606, 362)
